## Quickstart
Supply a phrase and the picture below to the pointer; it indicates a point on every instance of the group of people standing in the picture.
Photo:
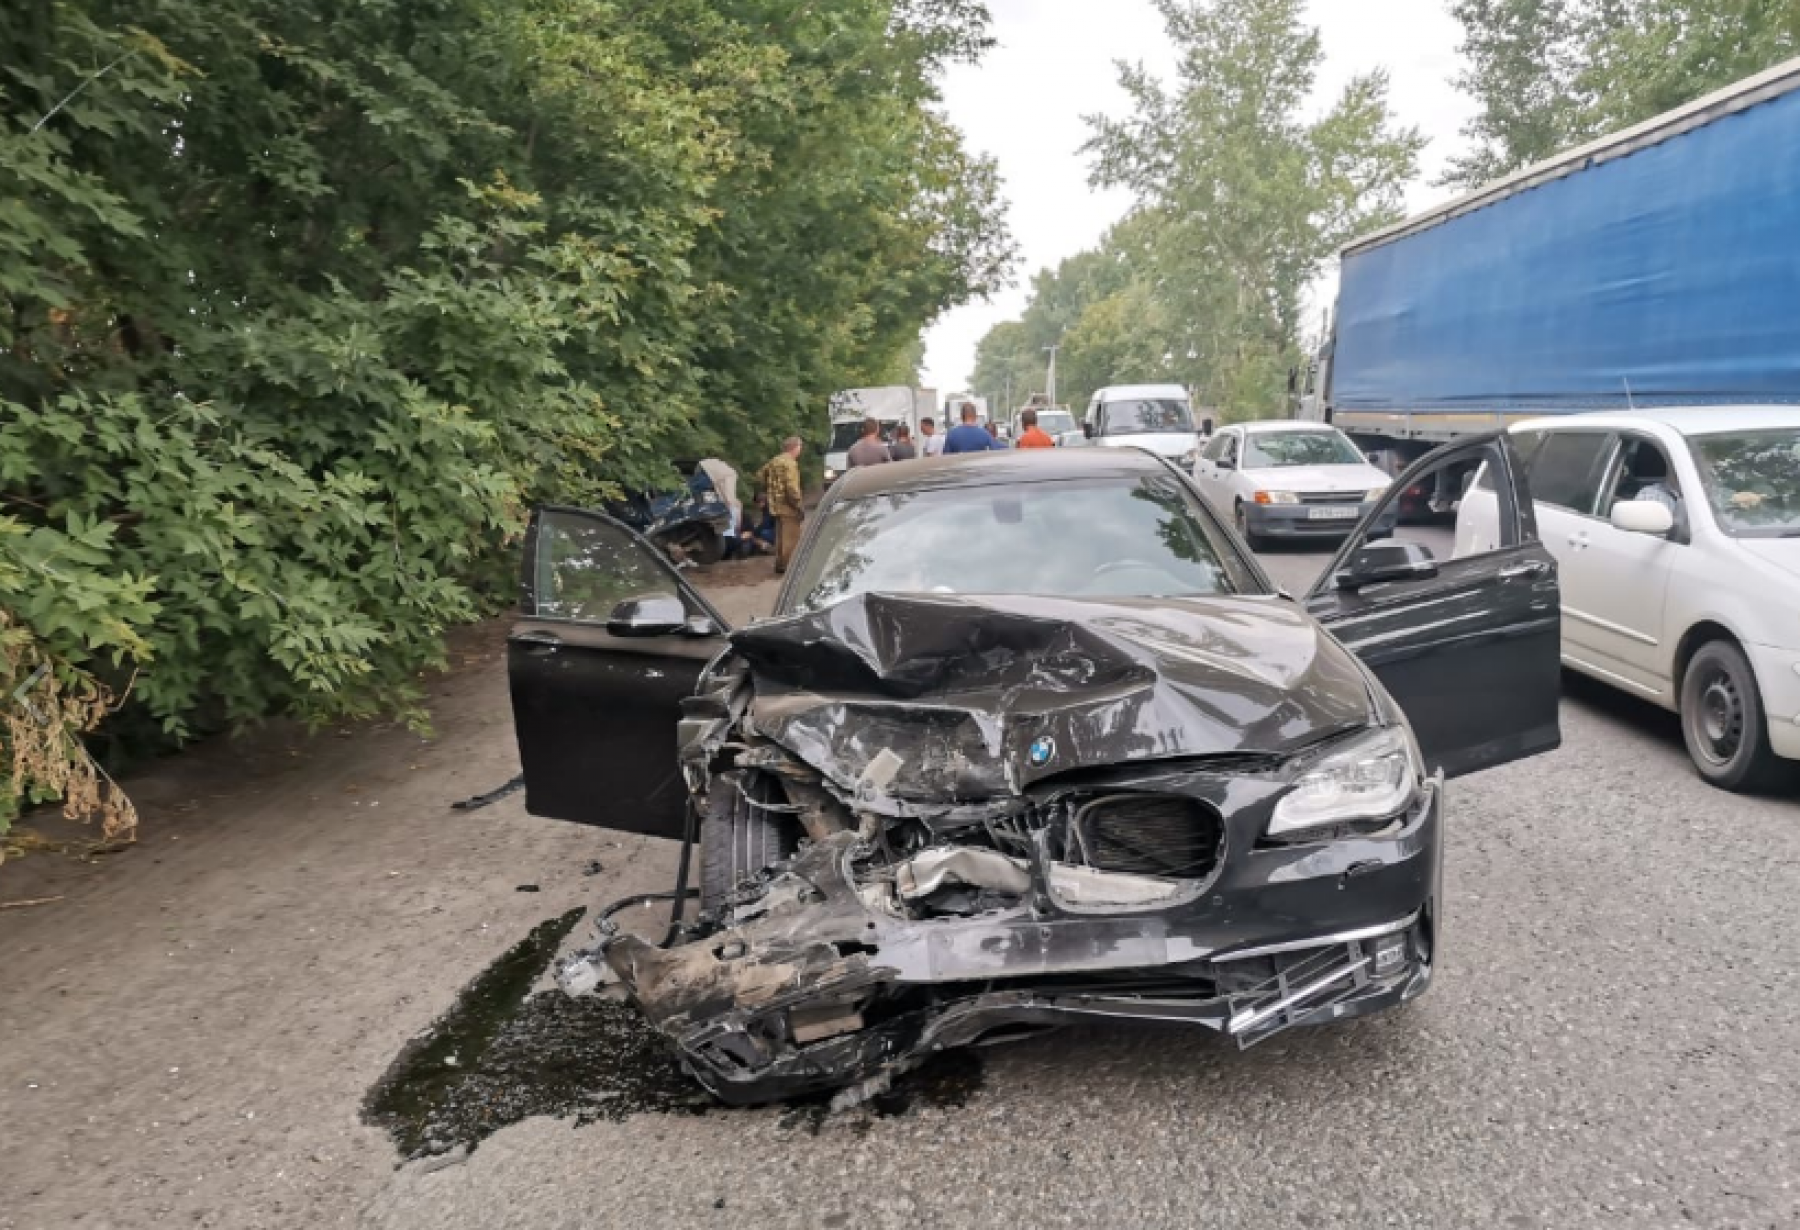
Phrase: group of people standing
(968, 437)
(780, 479)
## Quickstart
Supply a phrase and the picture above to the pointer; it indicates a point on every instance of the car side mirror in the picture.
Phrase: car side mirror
(654, 615)
(1389, 560)
(1643, 517)
(1206, 427)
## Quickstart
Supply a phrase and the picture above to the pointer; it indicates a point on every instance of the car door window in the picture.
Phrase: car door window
(1215, 448)
(1469, 646)
(1525, 445)
(1641, 471)
(1567, 468)
(1228, 455)
(596, 690)
(581, 567)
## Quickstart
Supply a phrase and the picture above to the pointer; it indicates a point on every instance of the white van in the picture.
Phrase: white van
(1155, 417)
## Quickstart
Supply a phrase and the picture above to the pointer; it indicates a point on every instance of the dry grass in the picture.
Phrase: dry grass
(45, 709)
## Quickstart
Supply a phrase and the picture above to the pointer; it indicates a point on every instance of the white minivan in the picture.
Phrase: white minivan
(1155, 417)
(1677, 535)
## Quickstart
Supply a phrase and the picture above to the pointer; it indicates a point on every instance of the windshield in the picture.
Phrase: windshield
(1133, 538)
(1752, 481)
(1276, 449)
(1055, 422)
(1147, 417)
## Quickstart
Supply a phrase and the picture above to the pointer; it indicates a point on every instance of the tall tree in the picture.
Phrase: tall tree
(1013, 357)
(303, 302)
(1548, 74)
(1645, 57)
(1523, 61)
(1244, 196)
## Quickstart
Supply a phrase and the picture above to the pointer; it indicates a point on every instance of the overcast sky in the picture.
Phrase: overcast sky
(1055, 63)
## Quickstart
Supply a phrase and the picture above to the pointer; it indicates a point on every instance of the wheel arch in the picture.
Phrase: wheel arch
(1701, 633)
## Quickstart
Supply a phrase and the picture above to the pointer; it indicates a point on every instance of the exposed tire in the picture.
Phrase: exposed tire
(1723, 722)
(737, 840)
(706, 545)
(700, 543)
(1241, 520)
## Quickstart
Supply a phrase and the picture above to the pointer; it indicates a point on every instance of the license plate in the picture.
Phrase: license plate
(1332, 514)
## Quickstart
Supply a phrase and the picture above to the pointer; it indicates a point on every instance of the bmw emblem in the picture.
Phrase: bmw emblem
(1043, 751)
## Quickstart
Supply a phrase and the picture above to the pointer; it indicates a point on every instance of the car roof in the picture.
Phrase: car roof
(1268, 425)
(1684, 420)
(997, 467)
(1119, 392)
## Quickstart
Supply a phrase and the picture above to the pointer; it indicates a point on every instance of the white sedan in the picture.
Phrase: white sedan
(1288, 480)
(1677, 534)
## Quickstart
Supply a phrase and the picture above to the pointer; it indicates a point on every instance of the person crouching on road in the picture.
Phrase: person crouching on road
(869, 451)
(969, 438)
(780, 481)
(759, 538)
(931, 444)
(1033, 436)
(902, 448)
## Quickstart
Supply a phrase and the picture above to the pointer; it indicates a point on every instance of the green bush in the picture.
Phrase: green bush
(306, 302)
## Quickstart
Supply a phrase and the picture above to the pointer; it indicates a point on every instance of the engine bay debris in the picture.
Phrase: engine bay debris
(975, 819)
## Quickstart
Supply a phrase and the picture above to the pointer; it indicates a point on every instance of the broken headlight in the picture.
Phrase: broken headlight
(1373, 778)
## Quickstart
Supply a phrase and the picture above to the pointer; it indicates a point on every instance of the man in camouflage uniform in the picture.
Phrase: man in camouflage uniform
(780, 481)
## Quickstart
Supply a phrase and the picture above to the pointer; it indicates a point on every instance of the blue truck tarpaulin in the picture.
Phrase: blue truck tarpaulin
(1674, 270)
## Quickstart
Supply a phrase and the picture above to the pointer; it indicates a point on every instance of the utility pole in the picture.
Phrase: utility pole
(1050, 378)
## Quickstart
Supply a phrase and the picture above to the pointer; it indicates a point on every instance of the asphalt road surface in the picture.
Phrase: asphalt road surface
(1611, 1041)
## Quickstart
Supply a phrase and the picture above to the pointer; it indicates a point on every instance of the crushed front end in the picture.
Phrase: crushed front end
(1065, 827)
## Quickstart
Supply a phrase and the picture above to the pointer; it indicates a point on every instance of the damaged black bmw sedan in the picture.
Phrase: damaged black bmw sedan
(1030, 739)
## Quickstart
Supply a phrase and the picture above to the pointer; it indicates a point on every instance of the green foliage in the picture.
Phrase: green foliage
(1549, 74)
(1647, 56)
(1522, 74)
(1241, 199)
(305, 302)
(1092, 310)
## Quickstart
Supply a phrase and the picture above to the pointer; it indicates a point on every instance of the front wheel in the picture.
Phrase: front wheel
(1723, 722)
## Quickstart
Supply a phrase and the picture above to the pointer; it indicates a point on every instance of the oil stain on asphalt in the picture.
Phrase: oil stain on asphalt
(502, 1055)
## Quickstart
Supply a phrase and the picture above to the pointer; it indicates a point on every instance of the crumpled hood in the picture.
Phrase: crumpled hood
(979, 697)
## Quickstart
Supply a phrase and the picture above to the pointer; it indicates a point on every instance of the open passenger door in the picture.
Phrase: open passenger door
(611, 640)
(1469, 647)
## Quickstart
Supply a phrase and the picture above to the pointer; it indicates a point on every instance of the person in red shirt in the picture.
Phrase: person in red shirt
(1033, 436)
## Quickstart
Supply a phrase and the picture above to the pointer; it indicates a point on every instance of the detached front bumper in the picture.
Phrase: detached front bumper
(1303, 521)
(810, 989)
